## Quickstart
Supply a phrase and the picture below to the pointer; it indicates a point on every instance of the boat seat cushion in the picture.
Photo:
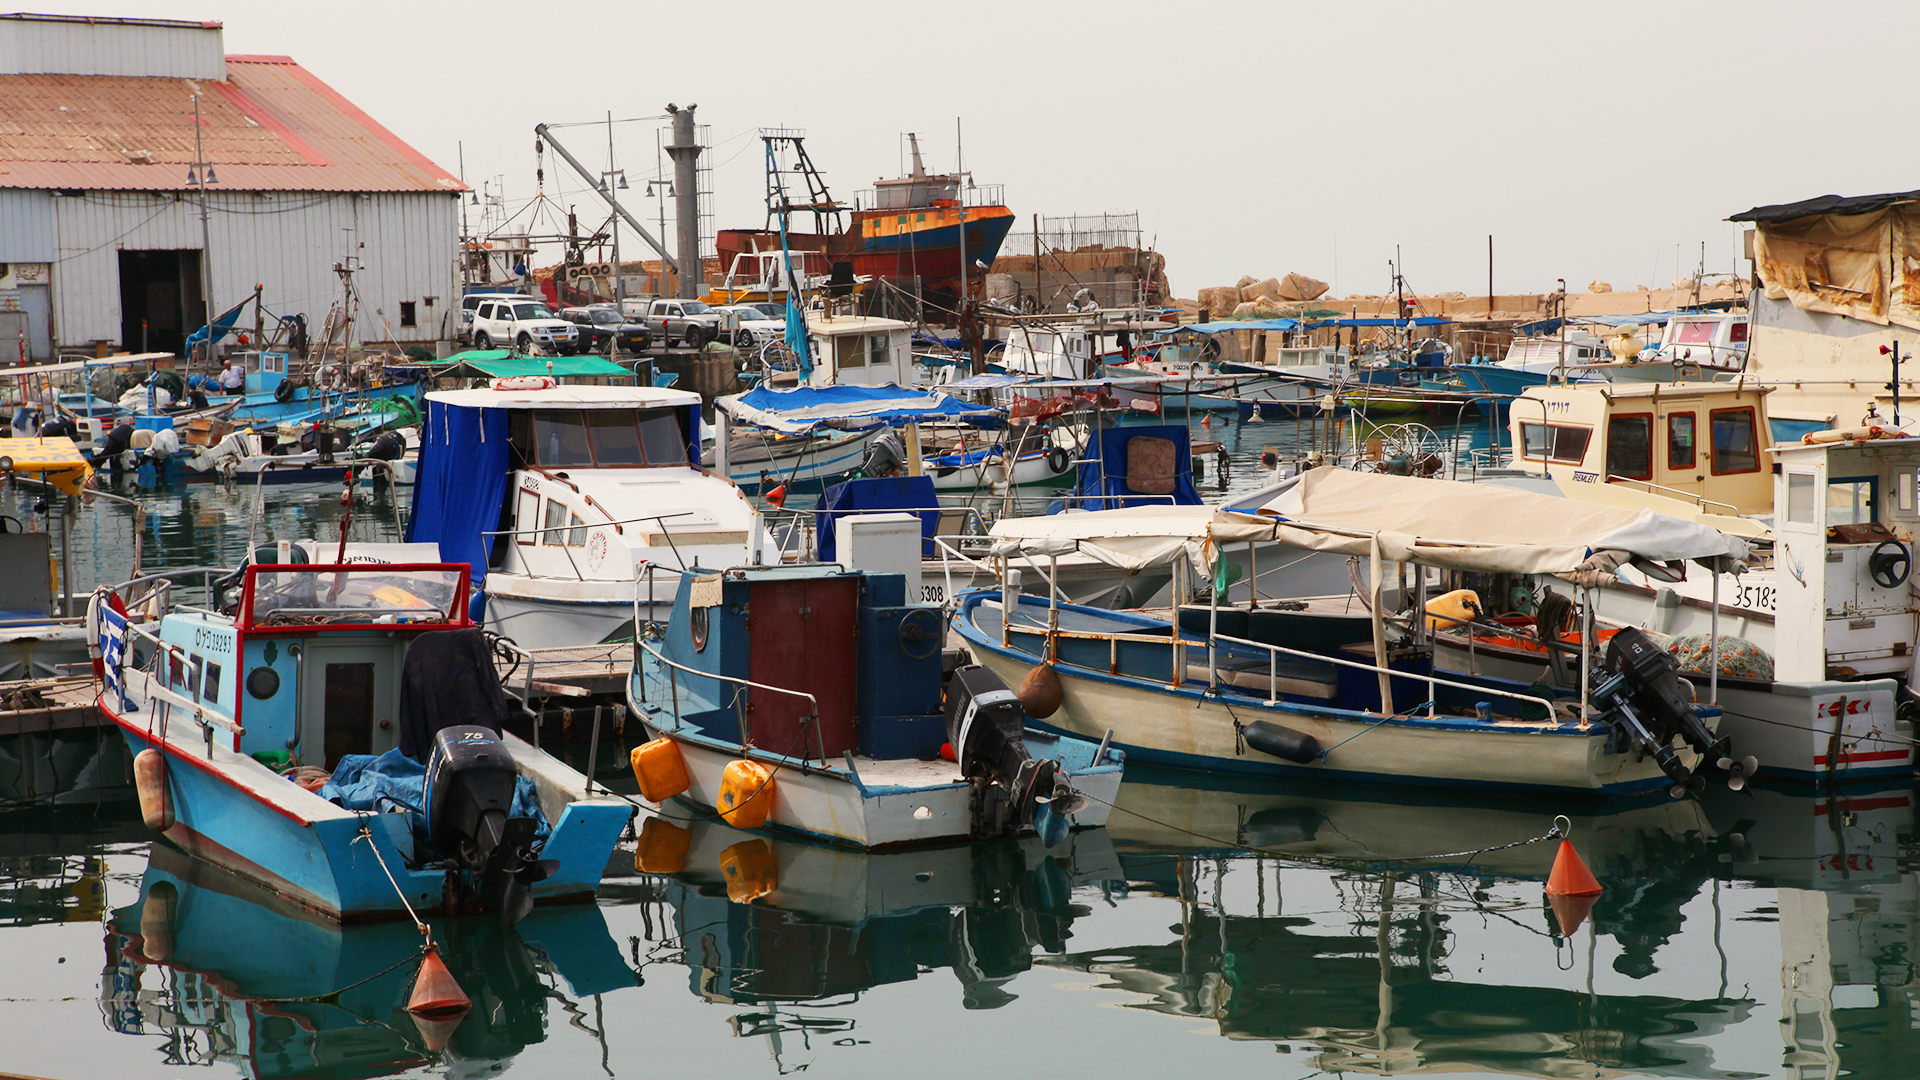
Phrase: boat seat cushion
(1150, 465)
(1256, 676)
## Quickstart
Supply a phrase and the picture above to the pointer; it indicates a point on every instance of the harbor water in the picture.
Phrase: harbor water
(1221, 928)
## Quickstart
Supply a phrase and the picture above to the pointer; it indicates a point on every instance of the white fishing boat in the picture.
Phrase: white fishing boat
(565, 497)
(1218, 701)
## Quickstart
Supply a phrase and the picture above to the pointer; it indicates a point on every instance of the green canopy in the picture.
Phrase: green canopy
(504, 363)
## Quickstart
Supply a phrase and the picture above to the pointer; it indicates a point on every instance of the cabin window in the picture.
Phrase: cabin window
(560, 439)
(529, 513)
(1737, 333)
(1735, 447)
(1554, 442)
(347, 710)
(1630, 446)
(177, 673)
(1903, 490)
(878, 348)
(609, 438)
(1850, 501)
(407, 313)
(1693, 332)
(556, 533)
(849, 351)
(1800, 498)
(210, 682)
(923, 217)
(903, 220)
(1680, 441)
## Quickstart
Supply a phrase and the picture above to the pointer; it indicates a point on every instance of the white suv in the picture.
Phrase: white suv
(521, 324)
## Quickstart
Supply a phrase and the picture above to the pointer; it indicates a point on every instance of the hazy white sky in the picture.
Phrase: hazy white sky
(1589, 140)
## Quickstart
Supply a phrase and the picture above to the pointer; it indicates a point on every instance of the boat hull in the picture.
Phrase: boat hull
(236, 813)
(1186, 727)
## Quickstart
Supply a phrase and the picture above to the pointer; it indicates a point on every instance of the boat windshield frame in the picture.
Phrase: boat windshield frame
(453, 617)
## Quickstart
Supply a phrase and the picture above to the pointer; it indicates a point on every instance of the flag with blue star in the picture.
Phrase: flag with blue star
(113, 652)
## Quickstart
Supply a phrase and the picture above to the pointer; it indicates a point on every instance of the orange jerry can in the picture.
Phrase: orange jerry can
(663, 847)
(746, 794)
(660, 769)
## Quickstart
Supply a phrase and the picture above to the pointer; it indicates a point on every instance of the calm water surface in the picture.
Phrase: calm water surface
(1272, 930)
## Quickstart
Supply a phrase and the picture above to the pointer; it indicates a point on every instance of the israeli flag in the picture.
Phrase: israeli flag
(113, 652)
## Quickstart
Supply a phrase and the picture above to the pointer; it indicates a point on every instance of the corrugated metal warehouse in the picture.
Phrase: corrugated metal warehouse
(100, 227)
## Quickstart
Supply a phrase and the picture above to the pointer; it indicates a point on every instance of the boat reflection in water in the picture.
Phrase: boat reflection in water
(783, 925)
(229, 974)
(1842, 867)
(1376, 986)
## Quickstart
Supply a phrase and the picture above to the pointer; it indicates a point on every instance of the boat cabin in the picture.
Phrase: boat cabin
(1700, 443)
(858, 350)
(309, 661)
(1844, 532)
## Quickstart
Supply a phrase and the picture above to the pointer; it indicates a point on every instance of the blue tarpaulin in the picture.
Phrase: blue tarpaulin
(378, 784)
(1241, 324)
(1103, 470)
(877, 495)
(459, 483)
(1424, 320)
(222, 325)
(805, 408)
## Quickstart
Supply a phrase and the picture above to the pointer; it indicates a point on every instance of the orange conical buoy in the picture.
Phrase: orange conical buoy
(437, 1032)
(435, 994)
(777, 498)
(1570, 911)
(1570, 876)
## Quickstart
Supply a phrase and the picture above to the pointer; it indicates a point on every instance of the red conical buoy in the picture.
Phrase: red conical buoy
(435, 994)
(437, 1032)
(1570, 876)
(1570, 911)
(777, 498)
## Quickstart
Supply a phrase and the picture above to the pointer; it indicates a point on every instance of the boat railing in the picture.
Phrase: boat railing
(1274, 652)
(165, 657)
(739, 699)
(260, 487)
(1690, 496)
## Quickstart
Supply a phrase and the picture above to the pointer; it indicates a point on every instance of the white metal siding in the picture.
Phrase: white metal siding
(288, 241)
(26, 226)
(31, 47)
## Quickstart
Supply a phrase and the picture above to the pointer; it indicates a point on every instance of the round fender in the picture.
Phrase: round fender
(283, 393)
(1058, 460)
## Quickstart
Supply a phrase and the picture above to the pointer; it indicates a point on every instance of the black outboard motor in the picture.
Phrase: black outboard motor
(987, 726)
(1644, 696)
(884, 455)
(390, 446)
(469, 795)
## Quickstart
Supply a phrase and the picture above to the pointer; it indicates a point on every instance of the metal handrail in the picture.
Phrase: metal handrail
(1702, 500)
(158, 690)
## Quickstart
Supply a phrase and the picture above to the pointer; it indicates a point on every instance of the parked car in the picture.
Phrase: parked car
(470, 305)
(689, 322)
(745, 326)
(522, 323)
(598, 327)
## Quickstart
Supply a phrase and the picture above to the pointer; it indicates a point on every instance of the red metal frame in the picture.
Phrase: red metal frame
(243, 621)
(1608, 449)
(1693, 448)
(1753, 433)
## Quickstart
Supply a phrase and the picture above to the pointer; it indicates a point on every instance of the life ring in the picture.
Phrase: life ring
(1058, 460)
(523, 382)
(283, 393)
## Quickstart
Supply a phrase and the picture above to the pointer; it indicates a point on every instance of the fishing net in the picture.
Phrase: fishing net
(1738, 656)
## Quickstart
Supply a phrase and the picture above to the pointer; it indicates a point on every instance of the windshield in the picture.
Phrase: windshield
(606, 318)
(692, 307)
(607, 438)
(531, 311)
(368, 594)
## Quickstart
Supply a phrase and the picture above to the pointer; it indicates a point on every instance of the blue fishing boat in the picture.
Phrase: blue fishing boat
(808, 699)
(372, 676)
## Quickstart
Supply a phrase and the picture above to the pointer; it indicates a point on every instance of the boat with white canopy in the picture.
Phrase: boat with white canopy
(1290, 689)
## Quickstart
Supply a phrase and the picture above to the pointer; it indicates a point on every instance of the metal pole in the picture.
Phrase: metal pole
(206, 244)
(1713, 647)
(685, 153)
(613, 199)
(593, 750)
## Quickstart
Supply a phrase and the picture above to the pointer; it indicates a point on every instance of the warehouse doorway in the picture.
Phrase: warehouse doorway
(160, 300)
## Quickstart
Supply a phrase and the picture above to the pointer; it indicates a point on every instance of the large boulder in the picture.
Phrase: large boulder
(1220, 302)
(1299, 287)
(1599, 287)
(1268, 289)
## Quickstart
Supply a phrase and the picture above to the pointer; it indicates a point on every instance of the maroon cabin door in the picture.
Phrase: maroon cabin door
(801, 637)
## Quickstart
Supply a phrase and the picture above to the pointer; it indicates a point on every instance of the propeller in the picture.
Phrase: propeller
(1738, 770)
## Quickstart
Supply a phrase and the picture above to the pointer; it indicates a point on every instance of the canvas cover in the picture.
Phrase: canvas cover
(856, 407)
(460, 482)
(1436, 522)
(1862, 265)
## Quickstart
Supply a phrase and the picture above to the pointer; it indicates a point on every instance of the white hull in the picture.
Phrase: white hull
(891, 804)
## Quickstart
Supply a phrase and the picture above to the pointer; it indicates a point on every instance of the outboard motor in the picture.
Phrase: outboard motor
(1643, 695)
(390, 446)
(469, 797)
(884, 455)
(987, 726)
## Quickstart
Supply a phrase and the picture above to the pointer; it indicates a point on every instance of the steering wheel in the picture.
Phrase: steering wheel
(16, 526)
(1889, 564)
(914, 629)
